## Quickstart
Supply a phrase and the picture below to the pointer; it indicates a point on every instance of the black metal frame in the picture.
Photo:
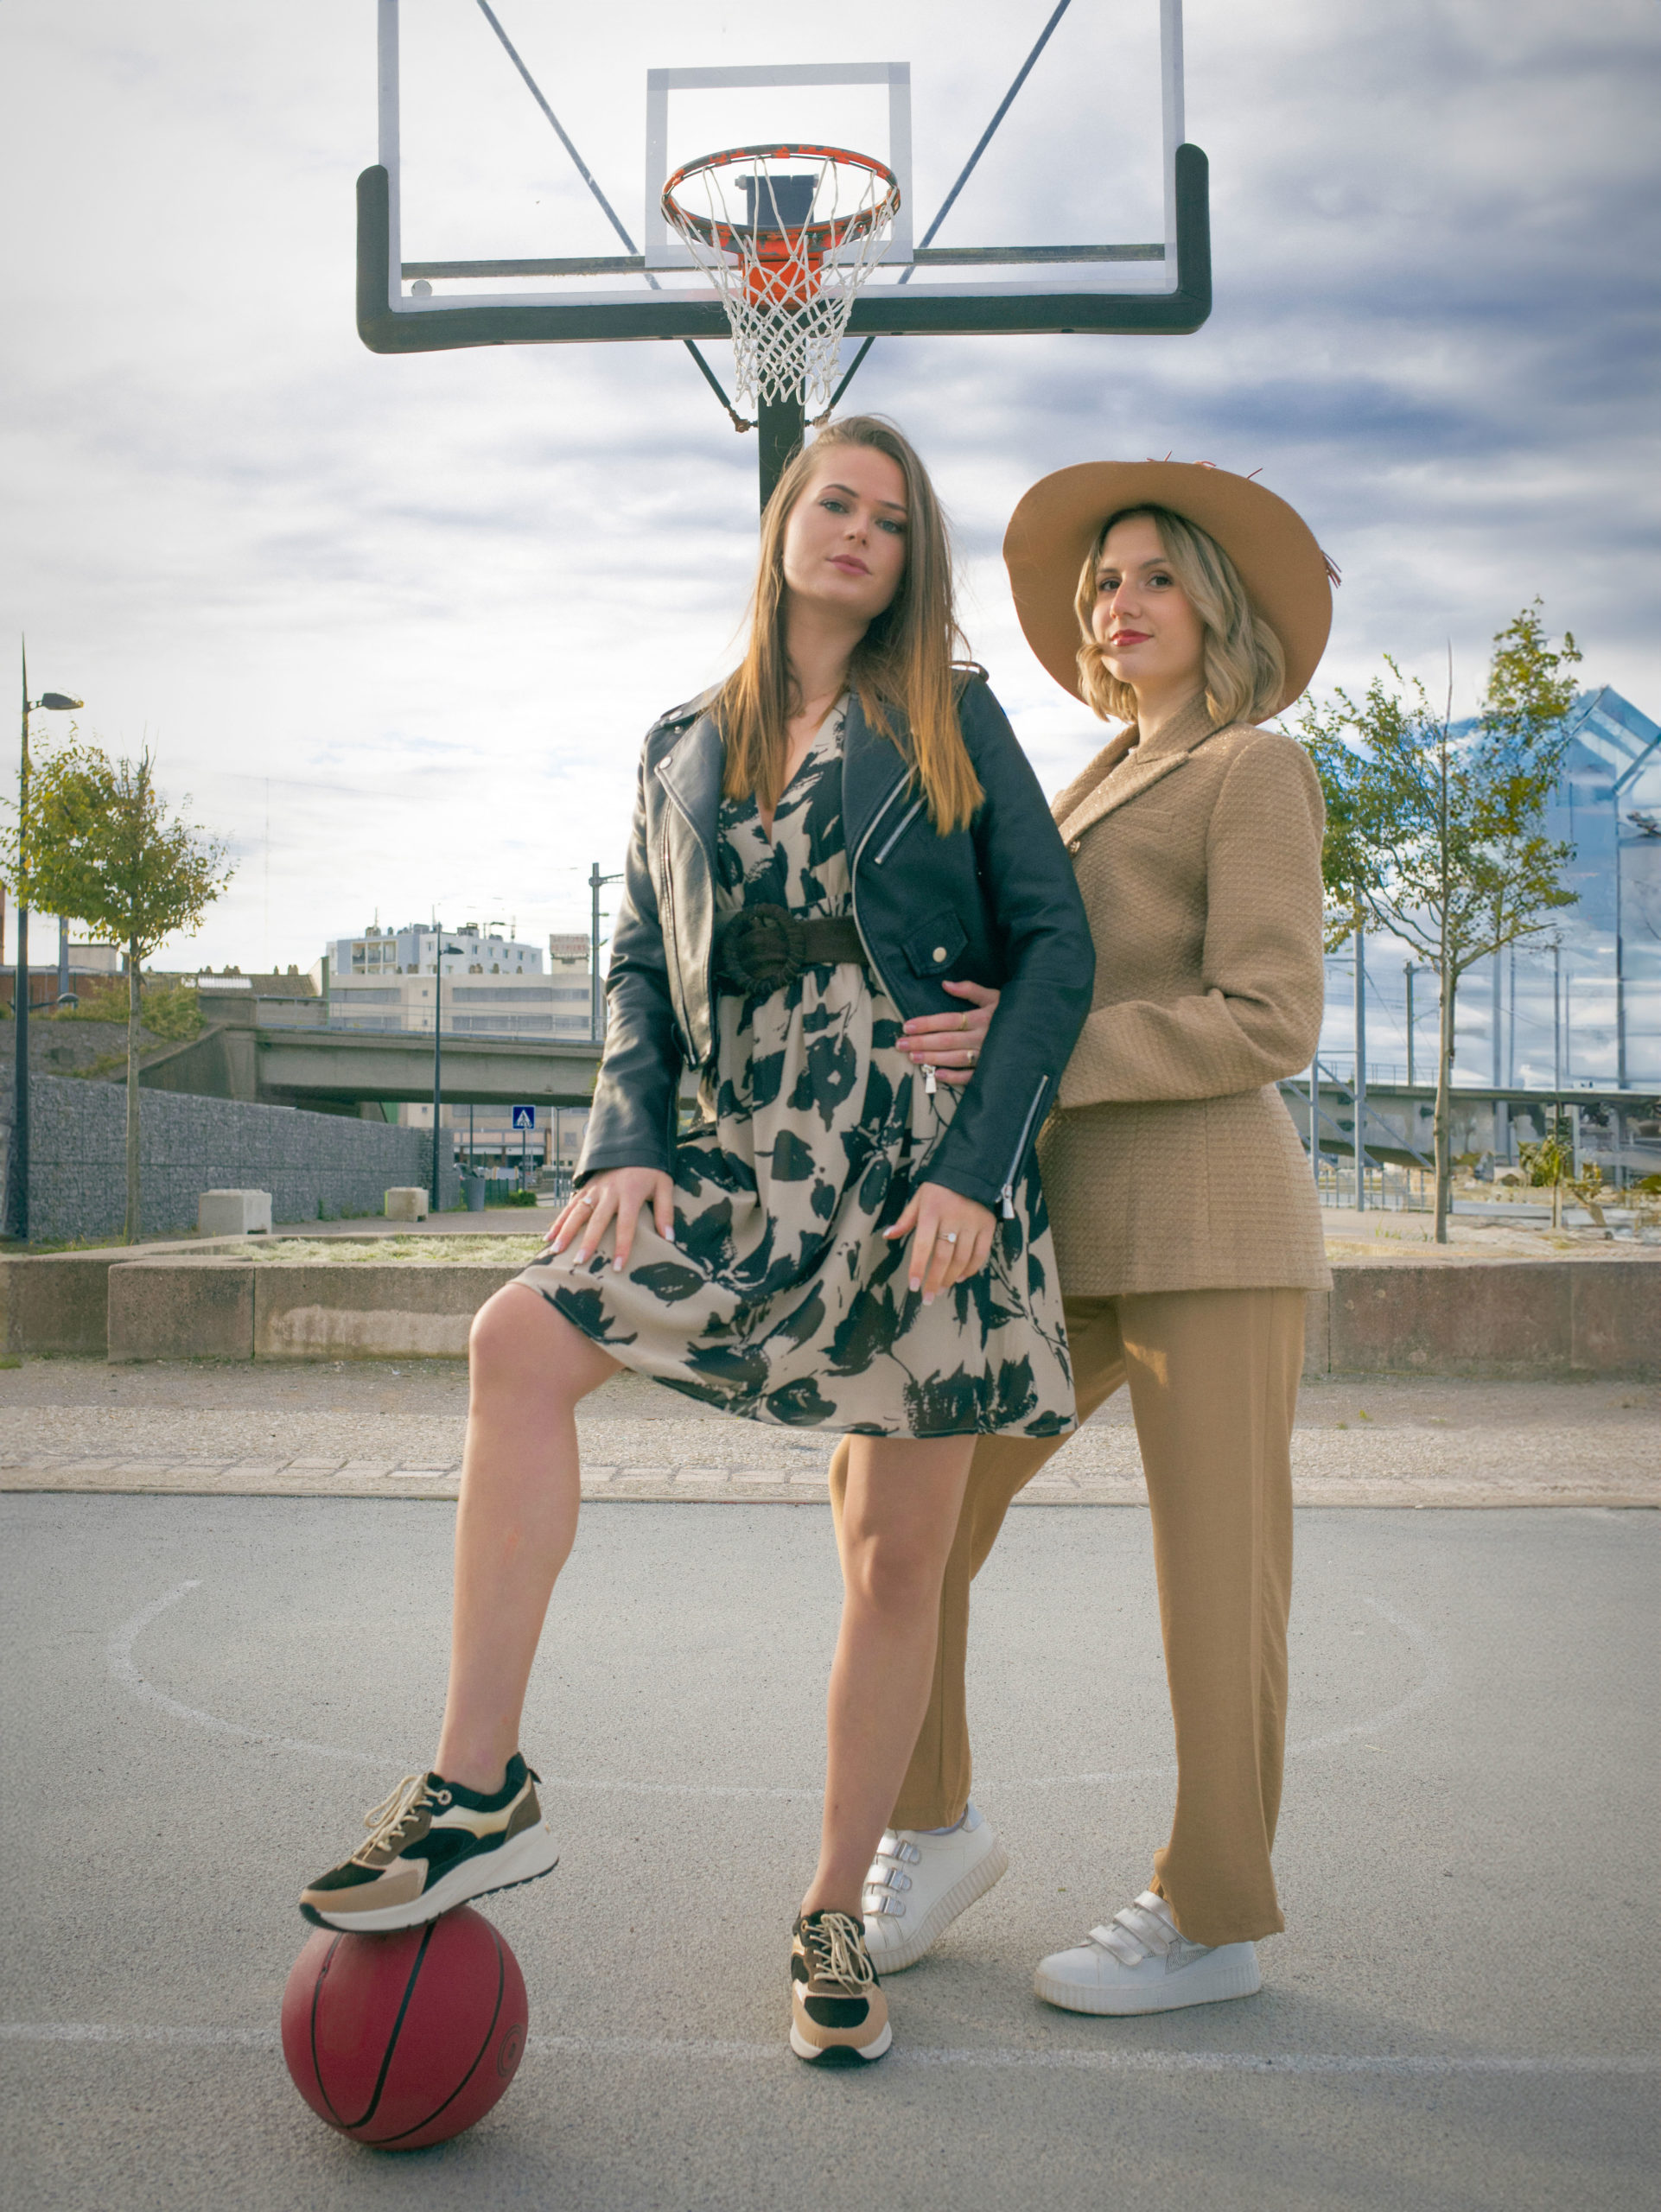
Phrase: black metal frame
(890, 312)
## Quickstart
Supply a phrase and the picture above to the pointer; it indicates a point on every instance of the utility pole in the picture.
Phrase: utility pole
(596, 884)
(439, 951)
(1360, 1070)
(17, 1173)
(1409, 971)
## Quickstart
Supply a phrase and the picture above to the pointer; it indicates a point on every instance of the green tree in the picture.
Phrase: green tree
(1437, 836)
(100, 843)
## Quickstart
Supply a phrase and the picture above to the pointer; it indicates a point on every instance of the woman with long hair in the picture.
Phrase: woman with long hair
(837, 1241)
(1190, 605)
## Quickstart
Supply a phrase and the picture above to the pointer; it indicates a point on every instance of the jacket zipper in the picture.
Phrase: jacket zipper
(905, 822)
(1007, 1195)
(852, 880)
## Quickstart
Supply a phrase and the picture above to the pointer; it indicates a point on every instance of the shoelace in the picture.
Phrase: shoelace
(1139, 1931)
(836, 1947)
(387, 1820)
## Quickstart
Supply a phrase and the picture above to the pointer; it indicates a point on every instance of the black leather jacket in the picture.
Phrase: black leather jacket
(995, 903)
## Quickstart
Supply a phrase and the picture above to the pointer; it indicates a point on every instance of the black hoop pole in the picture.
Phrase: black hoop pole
(782, 425)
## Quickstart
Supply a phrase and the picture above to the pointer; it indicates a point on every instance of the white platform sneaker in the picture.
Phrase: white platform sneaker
(919, 1882)
(1141, 1963)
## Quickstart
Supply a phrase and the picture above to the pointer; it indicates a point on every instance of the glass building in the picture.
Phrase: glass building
(1579, 1009)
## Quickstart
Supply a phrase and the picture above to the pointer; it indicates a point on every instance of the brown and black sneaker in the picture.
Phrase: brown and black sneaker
(838, 2015)
(432, 1845)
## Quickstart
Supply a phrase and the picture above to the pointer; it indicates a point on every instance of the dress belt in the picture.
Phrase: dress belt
(764, 948)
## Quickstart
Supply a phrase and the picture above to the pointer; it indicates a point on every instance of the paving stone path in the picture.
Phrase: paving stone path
(378, 1429)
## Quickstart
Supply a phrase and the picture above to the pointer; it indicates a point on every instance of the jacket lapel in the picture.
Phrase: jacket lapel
(1117, 775)
(690, 772)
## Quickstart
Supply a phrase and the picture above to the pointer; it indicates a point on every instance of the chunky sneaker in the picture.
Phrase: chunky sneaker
(432, 1845)
(1141, 1962)
(920, 1882)
(839, 2014)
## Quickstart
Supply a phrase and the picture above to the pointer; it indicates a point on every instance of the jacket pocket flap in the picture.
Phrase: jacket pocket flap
(934, 944)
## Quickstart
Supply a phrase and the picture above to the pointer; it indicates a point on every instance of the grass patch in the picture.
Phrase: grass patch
(167, 1011)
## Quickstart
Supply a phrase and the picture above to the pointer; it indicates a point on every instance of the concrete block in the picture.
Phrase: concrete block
(233, 1213)
(183, 1309)
(1492, 1318)
(407, 1204)
(56, 1302)
(355, 1310)
(1317, 1333)
(1615, 1308)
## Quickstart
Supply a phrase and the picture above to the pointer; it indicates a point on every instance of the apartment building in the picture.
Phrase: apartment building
(495, 985)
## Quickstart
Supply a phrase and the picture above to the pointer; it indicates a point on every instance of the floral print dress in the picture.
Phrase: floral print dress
(780, 1298)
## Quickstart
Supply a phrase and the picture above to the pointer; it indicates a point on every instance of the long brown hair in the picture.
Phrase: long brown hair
(1242, 664)
(903, 665)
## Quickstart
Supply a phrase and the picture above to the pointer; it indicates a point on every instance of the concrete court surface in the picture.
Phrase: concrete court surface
(204, 1693)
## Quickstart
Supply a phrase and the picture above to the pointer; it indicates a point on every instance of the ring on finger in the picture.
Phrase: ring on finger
(951, 1235)
(584, 1198)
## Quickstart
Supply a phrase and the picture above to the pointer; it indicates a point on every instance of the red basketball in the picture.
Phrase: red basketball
(406, 2039)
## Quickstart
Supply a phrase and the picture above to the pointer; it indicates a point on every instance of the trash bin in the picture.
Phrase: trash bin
(475, 1186)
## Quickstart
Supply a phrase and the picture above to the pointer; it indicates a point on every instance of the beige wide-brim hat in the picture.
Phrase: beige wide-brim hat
(1288, 578)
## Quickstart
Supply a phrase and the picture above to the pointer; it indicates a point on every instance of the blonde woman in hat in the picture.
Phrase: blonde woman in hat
(1190, 605)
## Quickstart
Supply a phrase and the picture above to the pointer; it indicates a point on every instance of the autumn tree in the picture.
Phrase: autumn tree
(1435, 833)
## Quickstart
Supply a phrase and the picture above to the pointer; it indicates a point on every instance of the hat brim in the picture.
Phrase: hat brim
(1052, 531)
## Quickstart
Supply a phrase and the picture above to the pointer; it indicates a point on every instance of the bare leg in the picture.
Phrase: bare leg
(898, 1520)
(517, 1521)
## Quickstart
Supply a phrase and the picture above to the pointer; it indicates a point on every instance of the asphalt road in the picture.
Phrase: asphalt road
(203, 1694)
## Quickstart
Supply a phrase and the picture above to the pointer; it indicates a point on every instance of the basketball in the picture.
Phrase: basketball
(405, 2039)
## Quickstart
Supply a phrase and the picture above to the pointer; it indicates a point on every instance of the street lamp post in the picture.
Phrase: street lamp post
(439, 951)
(1360, 1070)
(17, 1164)
(596, 883)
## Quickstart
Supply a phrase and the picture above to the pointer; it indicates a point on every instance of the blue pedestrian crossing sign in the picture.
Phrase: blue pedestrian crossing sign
(525, 1117)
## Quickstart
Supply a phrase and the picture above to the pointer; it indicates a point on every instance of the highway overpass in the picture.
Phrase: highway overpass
(337, 1070)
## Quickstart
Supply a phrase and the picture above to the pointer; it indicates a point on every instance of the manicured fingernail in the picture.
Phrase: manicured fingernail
(916, 1285)
(928, 1297)
(617, 1266)
(669, 1235)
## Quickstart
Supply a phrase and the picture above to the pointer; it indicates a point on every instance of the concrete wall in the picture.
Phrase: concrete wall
(316, 1165)
(1527, 1318)
(1523, 1318)
(226, 1309)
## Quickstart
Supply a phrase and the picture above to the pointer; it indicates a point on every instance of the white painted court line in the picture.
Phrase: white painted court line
(1432, 2065)
(119, 1650)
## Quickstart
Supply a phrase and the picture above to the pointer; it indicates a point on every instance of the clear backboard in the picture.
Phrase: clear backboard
(1044, 181)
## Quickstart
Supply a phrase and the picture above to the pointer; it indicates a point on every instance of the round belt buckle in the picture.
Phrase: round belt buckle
(763, 950)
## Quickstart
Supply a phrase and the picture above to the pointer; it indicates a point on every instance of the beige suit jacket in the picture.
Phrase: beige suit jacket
(1171, 1163)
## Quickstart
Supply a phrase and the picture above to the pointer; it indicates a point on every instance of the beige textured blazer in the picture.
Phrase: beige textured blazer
(1171, 1163)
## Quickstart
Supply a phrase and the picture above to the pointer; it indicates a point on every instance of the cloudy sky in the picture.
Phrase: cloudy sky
(395, 626)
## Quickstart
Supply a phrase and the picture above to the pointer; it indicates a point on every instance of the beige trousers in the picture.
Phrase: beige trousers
(1213, 1379)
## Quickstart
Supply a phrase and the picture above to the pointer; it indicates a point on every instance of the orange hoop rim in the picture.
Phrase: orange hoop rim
(816, 238)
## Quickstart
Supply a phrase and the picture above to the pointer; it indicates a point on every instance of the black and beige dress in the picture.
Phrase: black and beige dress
(781, 1297)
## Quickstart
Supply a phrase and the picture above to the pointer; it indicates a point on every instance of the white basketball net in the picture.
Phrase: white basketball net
(787, 235)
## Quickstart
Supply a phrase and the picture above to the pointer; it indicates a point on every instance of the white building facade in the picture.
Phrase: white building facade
(493, 985)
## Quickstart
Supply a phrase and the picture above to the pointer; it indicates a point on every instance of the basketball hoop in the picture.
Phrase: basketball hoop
(787, 235)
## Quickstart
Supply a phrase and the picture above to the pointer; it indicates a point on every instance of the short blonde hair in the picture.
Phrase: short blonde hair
(1242, 664)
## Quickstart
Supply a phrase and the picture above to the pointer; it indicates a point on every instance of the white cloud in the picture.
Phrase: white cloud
(434, 600)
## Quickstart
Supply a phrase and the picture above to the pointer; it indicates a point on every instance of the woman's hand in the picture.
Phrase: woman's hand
(951, 1235)
(619, 1193)
(951, 1042)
